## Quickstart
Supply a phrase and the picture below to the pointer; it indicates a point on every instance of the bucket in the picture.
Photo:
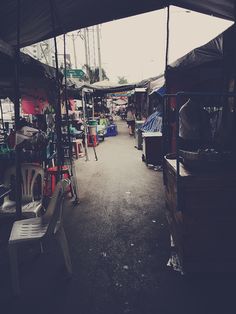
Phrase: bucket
(93, 129)
(92, 122)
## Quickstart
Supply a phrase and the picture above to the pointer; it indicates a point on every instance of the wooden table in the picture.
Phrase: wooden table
(204, 229)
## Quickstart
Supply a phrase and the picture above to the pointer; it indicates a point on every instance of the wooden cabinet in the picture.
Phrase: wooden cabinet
(204, 230)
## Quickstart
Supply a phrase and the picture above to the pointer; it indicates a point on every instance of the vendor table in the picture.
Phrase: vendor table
(204, 229)
(152, 148)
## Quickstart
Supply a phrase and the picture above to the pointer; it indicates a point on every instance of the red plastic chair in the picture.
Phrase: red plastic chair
(51, 175)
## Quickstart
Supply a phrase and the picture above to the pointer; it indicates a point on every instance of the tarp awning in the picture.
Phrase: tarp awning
(120, 102)
(32, 73)
(205, 68)
(156, 83)
(210, 52)
(107, 87)
(36, 22)
(220, 8)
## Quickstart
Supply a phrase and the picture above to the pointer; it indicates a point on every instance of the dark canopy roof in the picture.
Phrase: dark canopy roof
(204, 68)
(33, 73)
(219, 8)
(75, 87)
(210, 52)
(102, 89)
(36, 24)
(152, 82)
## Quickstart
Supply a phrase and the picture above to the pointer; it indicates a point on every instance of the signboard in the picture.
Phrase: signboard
(77, 73)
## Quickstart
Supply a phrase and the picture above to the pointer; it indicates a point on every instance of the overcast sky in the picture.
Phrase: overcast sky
(135, 47)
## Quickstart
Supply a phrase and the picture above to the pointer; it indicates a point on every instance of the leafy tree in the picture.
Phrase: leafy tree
(92, 74)
(122, 80)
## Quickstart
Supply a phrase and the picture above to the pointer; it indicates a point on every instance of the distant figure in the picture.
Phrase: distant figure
(130, 120)
(11, 139)
(123, 113)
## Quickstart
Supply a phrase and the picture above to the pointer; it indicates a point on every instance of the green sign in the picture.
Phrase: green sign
(75, 73)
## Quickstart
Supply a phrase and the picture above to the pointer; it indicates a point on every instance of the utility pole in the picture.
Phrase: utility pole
(99, 54)
(94, 47)
(88, 46)
(86, 54)
(85, 46)
(73, 40)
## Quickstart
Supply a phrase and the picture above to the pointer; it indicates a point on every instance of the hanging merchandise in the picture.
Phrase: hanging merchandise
(72, 104)
(35, 103)
(25, 133)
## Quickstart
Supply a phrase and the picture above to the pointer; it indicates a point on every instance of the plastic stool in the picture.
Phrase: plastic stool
(78, 148)
(52, 172)
(111, 130)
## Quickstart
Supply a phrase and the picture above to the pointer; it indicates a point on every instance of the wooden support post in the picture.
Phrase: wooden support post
(18, 191)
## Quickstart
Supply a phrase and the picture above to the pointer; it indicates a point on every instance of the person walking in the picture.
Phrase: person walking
(130, 120)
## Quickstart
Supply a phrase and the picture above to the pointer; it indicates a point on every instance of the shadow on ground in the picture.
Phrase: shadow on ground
(119, 243)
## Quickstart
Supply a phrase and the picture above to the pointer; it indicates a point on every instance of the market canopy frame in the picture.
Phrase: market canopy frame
(36, 23)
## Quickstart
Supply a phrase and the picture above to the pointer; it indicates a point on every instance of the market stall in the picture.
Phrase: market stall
(32, 138)
(199, 174)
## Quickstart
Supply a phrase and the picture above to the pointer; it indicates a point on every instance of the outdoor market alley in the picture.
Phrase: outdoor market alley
(119, 243)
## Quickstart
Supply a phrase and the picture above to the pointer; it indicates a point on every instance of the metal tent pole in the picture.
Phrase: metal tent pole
(18, 192)
(93, 106)
(234, 64)
(2, 120)
(167, 38)
(85, 128)
(73, 170)
(58, 105)
(178, 205)
(66, 101)
(165, 126)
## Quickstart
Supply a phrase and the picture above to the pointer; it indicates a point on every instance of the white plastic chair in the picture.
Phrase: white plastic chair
(40, 229)
(30, 206)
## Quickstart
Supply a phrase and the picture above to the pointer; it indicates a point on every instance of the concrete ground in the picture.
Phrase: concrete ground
(119, 244)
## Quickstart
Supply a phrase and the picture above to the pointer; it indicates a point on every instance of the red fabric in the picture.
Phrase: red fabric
(52, 172)
(35, 103)
(72, 104)
(54, 169)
